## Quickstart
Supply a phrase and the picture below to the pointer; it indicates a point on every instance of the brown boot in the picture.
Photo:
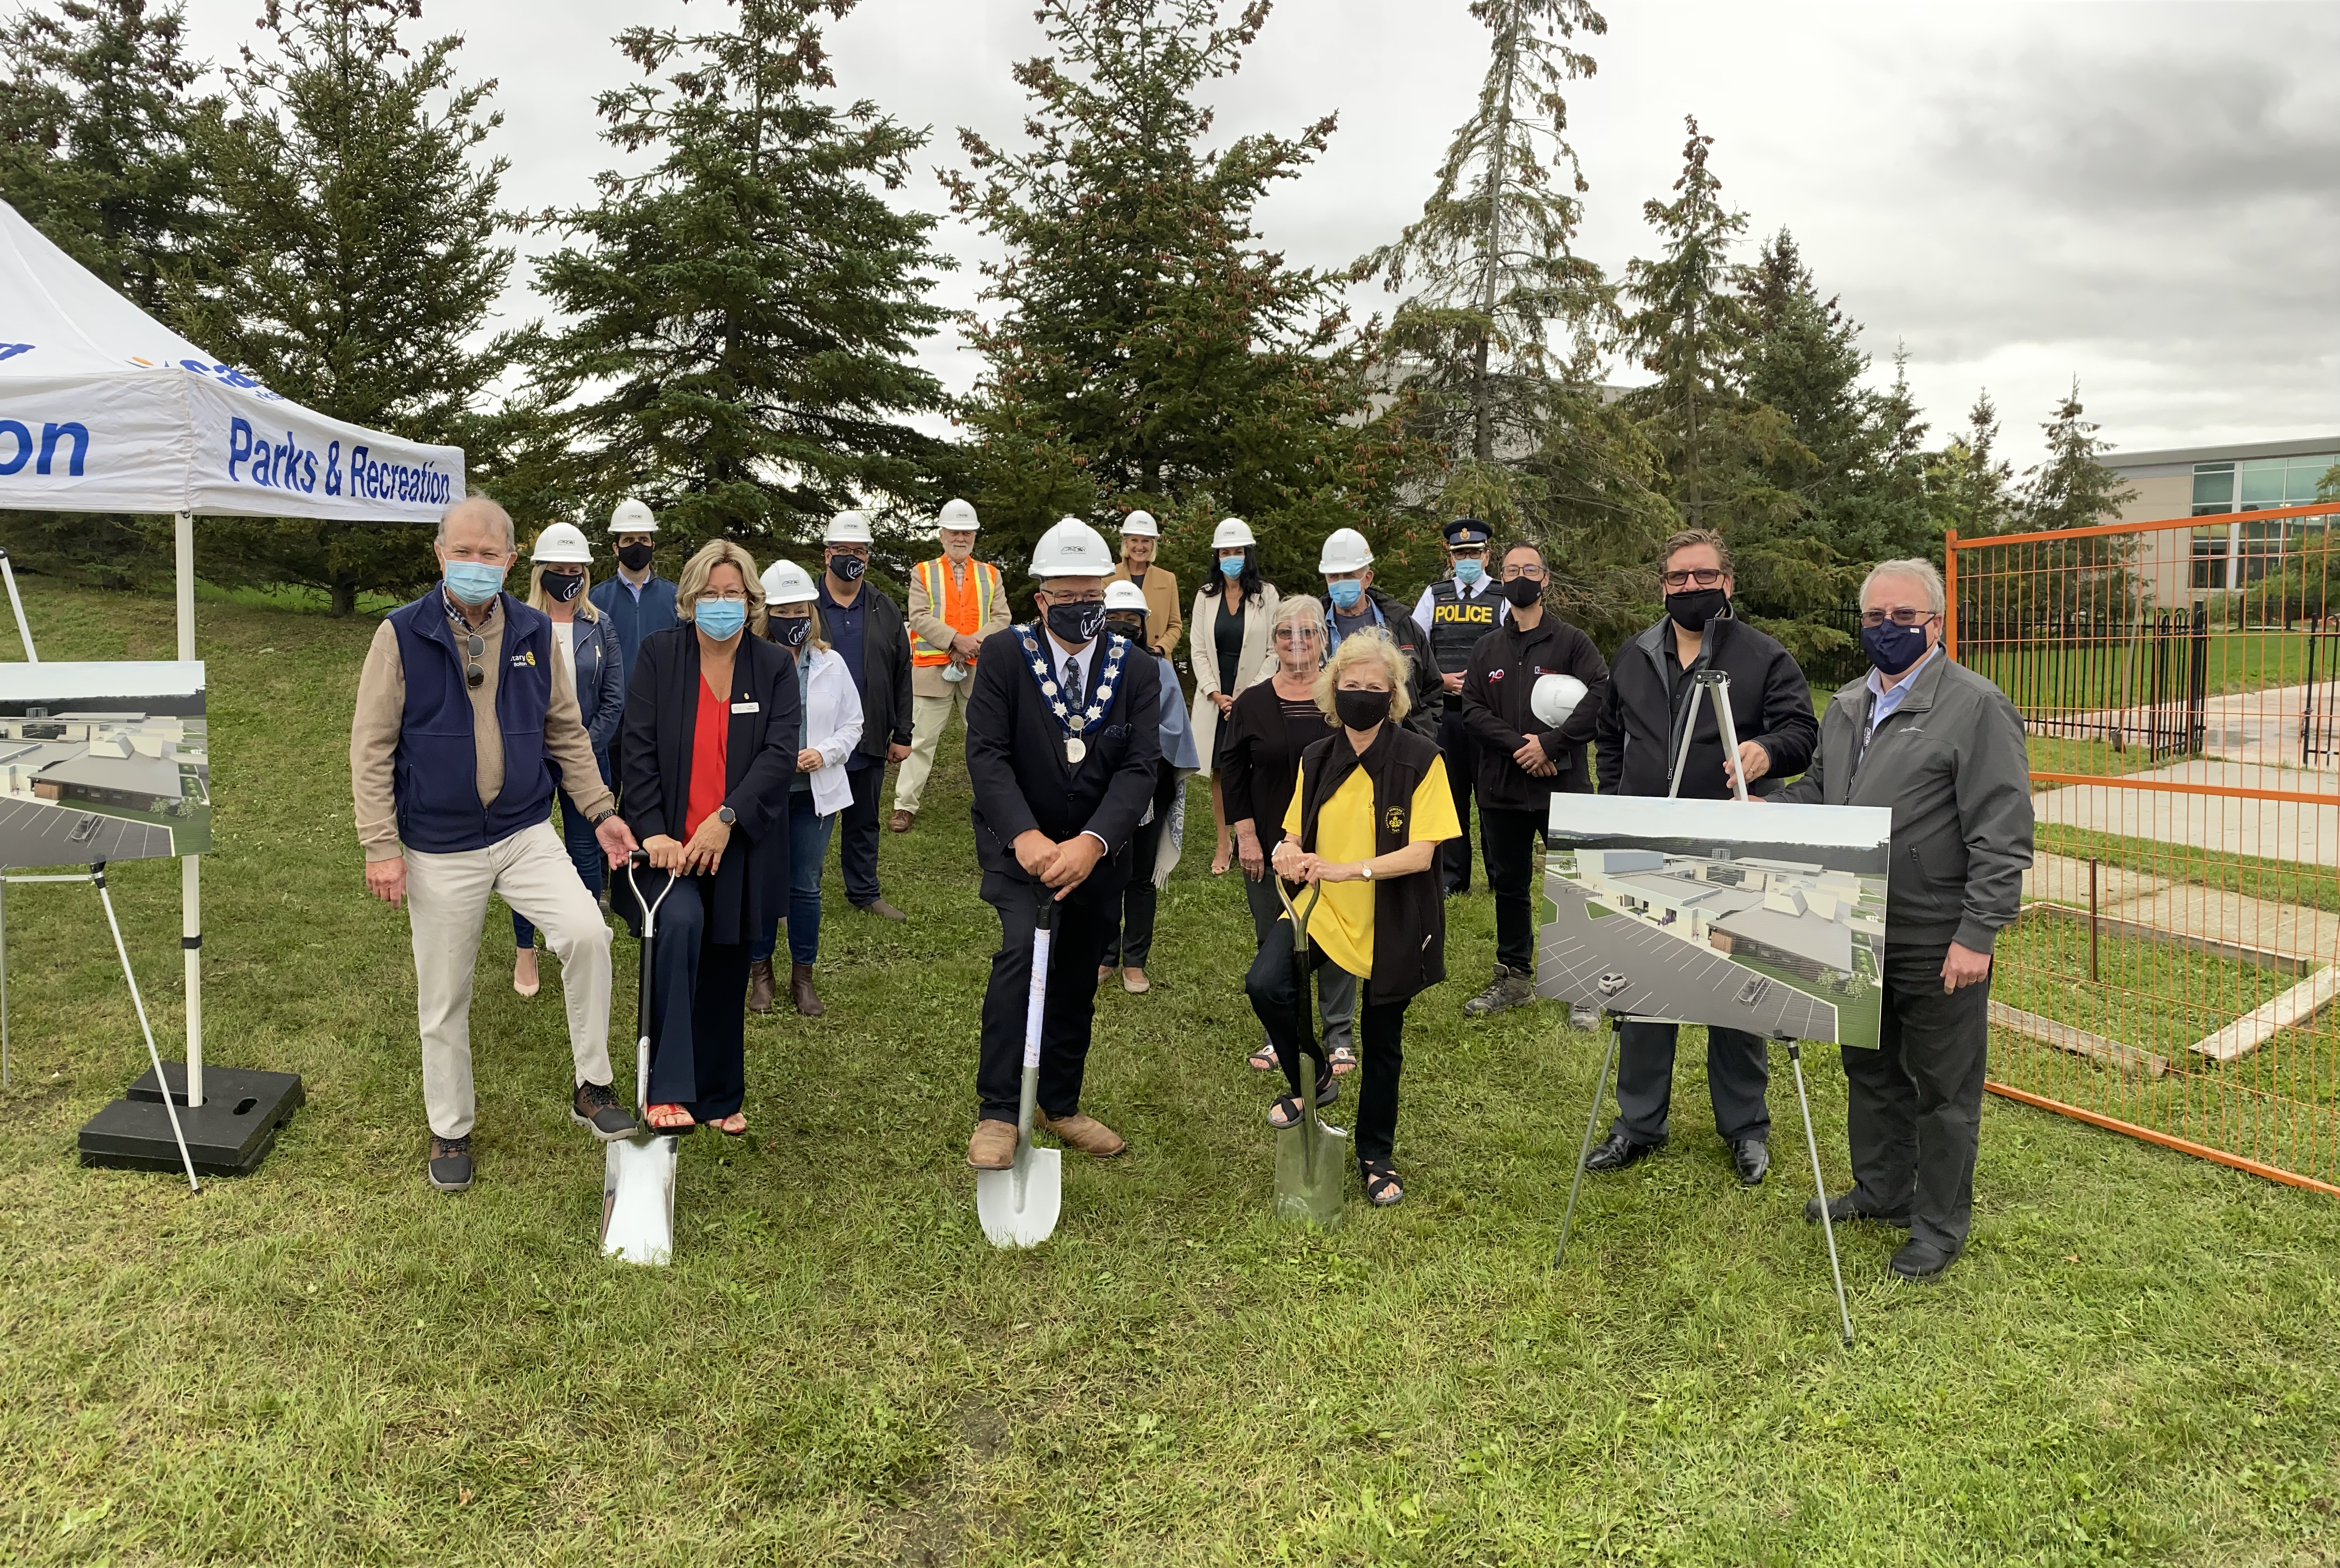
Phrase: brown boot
(801, 993)
(993, 1146)
(901, 821)
(1084, 1132)
(759, 986)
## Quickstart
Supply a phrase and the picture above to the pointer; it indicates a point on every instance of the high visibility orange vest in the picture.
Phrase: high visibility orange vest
(964, 606)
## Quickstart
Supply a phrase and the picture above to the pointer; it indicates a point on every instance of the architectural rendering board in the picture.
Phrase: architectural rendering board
(103, 762)
(1763, 917)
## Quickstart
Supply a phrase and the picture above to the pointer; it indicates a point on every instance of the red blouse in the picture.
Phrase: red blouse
(710, 765)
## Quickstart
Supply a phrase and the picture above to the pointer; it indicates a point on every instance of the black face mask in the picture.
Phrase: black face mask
(564, 586)
(1360, 710)
(1692, 610)
(1077, 625)
(1130, 626)
(1522, 591)
(847, 568)
(791, 631)
(635, 557)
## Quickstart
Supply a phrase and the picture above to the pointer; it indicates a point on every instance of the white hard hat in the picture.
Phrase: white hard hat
(786, 582)
(1071, 549)
(956, 514)
(848, 527)
(563, 543)
(633, 517)
(1232, 534)
(1124, 594)
(1555, 697)
(1345, 549)
(1140, 525)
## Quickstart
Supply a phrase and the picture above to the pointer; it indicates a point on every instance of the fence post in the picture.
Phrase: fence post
(1951, 592)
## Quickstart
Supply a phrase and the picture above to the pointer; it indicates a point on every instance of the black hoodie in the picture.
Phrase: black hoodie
(1497, 690)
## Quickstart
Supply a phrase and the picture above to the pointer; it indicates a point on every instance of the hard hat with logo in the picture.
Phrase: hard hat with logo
(1140, 525)
(956, 514)
(1071, 549)
(1345, 549)
(1233, 533)
(1555, 697)
(633, 517)
(786, 582)
(563, 543)
(848, 527)
(1124, 594)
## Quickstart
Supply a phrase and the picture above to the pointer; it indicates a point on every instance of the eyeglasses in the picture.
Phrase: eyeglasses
(1075, 599)
(477, 647)
(1900, 616)
(860, 549)
(1704, 577)
(1296, 634)
(1528, 570)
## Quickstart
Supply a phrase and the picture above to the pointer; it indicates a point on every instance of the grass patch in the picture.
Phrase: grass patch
(327, 1363)
(2253, 876)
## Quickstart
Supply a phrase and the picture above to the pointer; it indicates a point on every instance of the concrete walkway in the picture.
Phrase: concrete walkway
(2221, 824)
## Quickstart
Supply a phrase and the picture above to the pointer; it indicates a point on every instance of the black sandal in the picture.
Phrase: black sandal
(1383, 1189)
(1328, 1092)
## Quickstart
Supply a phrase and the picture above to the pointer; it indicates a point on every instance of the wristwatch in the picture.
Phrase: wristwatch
(725, 815)
(604, 817)
(1365, 870)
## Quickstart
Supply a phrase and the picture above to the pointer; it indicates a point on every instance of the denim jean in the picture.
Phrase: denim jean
(808, 852)
(584, 853)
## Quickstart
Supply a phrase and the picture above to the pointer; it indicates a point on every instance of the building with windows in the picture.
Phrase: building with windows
(2227, 483)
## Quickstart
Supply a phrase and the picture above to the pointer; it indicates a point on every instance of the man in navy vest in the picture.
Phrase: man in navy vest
(635, 598)
(460, 736)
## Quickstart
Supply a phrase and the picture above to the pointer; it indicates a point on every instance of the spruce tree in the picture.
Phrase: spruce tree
(744, 310)
(2068, 586)
(351, 261)
(2070, 489)
(1967, 484)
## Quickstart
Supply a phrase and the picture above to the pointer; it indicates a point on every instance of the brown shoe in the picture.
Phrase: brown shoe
(759, 986)
(993, 1146)
(801, 993)
(1084, 1133)
(902, 820)
(881, 908)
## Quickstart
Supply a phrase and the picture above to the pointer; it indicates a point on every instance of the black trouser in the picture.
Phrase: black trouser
(1915, 1107)
(1275, 999)
(1508, 838)
(1129, 936)
(1073, 956)
(857, 835)
(1336, 988)
(1737, 1070)
(1461, 754)
(699, 1003)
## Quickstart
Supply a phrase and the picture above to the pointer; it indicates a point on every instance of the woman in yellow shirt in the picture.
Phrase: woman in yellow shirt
(1365, 821)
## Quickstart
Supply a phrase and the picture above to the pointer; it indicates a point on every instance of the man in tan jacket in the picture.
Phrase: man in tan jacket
(955, 602)
(1139, 541)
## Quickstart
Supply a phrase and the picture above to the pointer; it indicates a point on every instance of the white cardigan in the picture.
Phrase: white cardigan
(1256, 660)
(832, 728)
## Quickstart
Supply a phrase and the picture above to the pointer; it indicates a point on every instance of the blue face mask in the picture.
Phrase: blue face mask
(1893, 649)
(1345, 594)
(1468, 569)
(1232, 565)
(722, 619)
(474, 582)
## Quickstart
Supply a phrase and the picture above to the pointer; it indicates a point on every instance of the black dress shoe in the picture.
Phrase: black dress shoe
(1617, 1151)
(1920, 1260)
(1750, 1158)
(1842, 1210)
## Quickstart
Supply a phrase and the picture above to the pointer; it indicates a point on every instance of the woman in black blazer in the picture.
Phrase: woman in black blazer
(704, 688)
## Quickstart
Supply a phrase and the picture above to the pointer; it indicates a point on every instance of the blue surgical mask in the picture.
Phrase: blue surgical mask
(474, 582)
(1232, 565)
(722, 619)
(1893, 649)
(1347, 593)
(1468, 569)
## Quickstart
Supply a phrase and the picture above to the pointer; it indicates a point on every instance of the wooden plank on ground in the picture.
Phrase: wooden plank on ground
(2079, 1042)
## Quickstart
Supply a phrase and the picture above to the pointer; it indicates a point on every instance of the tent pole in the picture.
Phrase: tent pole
(191, 873)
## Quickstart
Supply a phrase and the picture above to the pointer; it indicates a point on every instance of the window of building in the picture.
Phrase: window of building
(2214, 488)
(2210, 557)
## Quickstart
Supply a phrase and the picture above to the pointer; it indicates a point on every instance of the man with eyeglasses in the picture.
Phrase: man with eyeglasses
(866, 629)
(1455, 613)
(1943, 748)
(1639, 736)
(460, 724)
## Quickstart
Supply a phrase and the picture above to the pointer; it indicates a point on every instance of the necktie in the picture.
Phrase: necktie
(1073, 696)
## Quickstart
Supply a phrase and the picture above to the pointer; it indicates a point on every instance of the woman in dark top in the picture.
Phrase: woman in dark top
(1267, 728)
(709, 750)
(1232, 612)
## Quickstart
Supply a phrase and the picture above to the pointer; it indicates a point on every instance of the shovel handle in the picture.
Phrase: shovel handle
(1300, 914)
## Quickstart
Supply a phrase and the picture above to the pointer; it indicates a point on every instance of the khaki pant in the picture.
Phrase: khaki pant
(927, 716)
(447, 905)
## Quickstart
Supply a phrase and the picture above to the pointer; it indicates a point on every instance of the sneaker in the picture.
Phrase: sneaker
(449, 1168)
(881, 908)
(595, 1109)
(1510, 988)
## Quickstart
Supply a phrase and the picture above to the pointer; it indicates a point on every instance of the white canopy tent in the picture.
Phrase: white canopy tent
(104, 409)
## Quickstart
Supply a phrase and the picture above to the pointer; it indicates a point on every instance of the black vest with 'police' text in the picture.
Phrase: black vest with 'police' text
(1456, 622)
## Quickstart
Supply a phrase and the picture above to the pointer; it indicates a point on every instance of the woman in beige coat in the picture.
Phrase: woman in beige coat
(1228, 636)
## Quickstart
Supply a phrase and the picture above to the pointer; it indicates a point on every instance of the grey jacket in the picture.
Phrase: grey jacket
(1951, 763)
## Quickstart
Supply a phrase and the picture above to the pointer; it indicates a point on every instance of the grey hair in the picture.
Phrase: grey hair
(1299, 607)
(1915, 570)
(511, 535)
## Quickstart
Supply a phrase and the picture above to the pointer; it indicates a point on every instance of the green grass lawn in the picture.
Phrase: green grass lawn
(327, 1363)
(2084, 676)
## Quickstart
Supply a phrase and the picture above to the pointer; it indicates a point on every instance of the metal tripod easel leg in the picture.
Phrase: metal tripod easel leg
(1593, 1120)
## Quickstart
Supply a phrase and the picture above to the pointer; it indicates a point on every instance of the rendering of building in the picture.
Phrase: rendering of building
(1802, 918)
(2228, 484)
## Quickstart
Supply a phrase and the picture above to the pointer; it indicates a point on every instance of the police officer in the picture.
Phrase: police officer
(1454, 612)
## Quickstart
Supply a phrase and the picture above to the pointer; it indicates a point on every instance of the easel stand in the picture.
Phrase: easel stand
(1714, 685)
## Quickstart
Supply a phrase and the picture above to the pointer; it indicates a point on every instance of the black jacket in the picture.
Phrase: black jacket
(1409, 912)
(885, 671)
(1422, 685)
(1015, 757)
(1647, 693)
(1496, 692)
(750, 885)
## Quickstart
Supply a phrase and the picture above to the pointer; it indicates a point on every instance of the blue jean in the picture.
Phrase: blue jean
(584, 853)
(809, 833)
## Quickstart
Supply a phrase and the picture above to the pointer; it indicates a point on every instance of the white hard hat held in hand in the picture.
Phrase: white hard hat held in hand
(633, 517)
(1345, 549)
(1233, 533)
(848, 527)
(563, 543)
(1555, 697)
(958, 514)
(1140, 525)
(786, 582)
(1072, 549)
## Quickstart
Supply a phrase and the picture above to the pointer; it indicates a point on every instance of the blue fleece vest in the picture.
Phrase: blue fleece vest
(435, 773)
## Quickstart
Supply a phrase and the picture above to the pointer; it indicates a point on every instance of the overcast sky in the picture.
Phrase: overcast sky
(2145, 195)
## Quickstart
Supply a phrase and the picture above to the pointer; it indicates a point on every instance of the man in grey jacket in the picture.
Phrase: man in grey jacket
(1943, 748)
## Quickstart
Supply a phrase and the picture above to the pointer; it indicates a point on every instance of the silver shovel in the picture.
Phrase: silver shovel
(1019, 1205)
(638, 1173)
(1311, 1172)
